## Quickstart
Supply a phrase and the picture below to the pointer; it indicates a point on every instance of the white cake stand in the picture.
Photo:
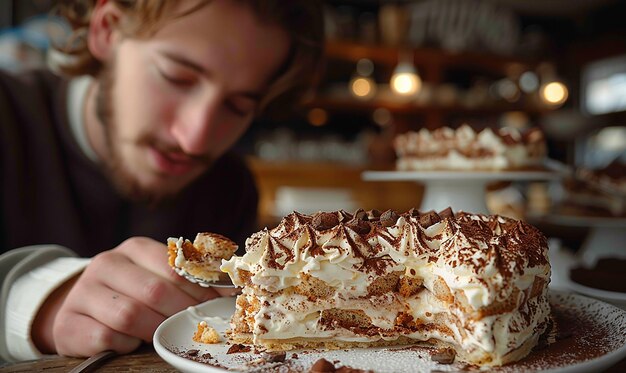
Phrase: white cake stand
(607, 236)
(606, 239)
(463, 190)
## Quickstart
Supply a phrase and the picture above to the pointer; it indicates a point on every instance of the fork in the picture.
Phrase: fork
(223, 281)
(93, 362)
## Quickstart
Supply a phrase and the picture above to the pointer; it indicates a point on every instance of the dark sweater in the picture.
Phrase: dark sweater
(51, 193)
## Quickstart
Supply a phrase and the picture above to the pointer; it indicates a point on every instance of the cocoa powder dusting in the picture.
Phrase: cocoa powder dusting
(378, 265)
(277, 250)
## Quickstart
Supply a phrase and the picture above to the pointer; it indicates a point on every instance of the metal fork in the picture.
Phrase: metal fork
(223, 282)
(93, 362)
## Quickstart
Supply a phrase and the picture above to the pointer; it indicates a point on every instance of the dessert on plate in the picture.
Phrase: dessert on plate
(596, 192)
(202, 258)
(473, 283)
(467, 149)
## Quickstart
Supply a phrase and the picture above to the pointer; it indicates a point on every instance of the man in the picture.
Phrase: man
(138, 149)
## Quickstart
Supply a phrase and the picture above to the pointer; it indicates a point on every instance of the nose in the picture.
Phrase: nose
(195, 123)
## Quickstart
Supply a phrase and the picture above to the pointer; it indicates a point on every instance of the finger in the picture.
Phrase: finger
(79, 335)
(152, 256)
(121, 313)
(226, 292)
(160, 295)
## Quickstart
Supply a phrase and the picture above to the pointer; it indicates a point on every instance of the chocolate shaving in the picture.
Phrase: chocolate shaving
(236, 348)
(414, 212)
(278, 357)
(389, 218)
(446, 213)
(325, 220)
(360, 214)
(429, 219)
(322, 366)
(361, 227)
(373, 214)
(443, 356)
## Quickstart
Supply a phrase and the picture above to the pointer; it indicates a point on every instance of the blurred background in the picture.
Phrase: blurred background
(556, 64)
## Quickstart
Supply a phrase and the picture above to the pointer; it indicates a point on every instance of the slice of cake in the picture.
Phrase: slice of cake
(473, 283)
(202, 258)
(596, 192)
(466, 149)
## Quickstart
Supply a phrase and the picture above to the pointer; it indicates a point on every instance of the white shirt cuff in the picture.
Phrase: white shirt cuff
(27, 295)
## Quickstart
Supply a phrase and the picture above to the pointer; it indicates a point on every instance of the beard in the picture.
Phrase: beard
(121, 177)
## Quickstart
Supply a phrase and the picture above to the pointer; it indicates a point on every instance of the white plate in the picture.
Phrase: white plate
(613, 297)
(554, 170)
(602, 334)
(581, 221)
(562, 262)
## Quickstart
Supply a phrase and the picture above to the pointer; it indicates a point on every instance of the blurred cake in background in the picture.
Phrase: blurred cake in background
(467, 149)
(599, 192)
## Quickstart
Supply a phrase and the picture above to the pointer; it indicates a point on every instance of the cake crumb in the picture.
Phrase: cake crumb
(206, 334)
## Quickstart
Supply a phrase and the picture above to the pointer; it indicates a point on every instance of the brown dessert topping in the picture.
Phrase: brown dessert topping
(325, 366)
(389, 218)
(345, 369)
(277, 250)
(322, 366)
(508, 139)
(414, 212)
(429, 219)
(360, 214)
(325, 220)
(373, 214)
(361, 227)
(511, 245)
(378, 265)
(446, 213)
(278, 357)
(237, 348)
(443, 356)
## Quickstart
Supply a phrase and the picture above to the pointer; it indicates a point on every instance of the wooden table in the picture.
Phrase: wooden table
(143, 360)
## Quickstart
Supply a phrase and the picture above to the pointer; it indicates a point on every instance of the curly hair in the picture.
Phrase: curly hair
(301, 19)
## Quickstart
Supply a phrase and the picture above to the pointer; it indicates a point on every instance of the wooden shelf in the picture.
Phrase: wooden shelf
(346, 104)
(436, 67)
(388, 55)
(272, 175)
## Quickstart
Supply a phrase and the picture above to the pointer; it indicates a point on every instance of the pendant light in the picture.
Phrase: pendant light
(405, 80)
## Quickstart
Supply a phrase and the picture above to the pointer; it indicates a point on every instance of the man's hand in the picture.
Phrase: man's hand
(116, 303)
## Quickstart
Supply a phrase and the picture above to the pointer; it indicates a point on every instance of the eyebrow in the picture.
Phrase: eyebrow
(201, 70)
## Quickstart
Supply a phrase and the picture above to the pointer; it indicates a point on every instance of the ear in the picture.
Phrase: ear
(103, 34)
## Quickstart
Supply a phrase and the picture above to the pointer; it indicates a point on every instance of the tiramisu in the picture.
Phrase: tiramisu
(596, 192)
(201, 259)
(473, 283)
(466, 149)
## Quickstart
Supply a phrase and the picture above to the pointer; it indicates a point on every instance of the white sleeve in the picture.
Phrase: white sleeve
(28, 277)
(27, 295)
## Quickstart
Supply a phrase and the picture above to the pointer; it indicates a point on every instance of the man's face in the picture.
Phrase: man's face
(173, 103)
